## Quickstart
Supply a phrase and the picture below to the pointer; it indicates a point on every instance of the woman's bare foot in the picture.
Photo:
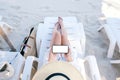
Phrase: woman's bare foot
(63, 30)
(60, 20)
(57, 26)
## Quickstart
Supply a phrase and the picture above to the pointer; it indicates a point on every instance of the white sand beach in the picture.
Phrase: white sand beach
(24, 14)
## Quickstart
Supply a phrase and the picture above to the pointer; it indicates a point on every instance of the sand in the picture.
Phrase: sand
(24, 14)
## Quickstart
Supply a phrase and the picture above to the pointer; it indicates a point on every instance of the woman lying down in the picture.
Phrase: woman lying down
(59, 66)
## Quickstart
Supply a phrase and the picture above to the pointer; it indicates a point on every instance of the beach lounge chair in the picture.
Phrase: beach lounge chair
(16, 60)
(112, 29)
(75, 32)
(76, 36)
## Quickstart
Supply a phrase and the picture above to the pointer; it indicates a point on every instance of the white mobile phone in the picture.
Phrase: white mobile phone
(60, 49)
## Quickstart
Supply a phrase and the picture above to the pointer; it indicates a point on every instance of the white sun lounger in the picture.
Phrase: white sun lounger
(16, 60)
(74, 29)
(75, 41)
(70, 23)
(76, 37)
(112, 29)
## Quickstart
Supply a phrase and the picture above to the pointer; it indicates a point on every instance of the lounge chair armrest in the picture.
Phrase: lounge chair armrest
(94, 71)
(28, 67)
(83, 37)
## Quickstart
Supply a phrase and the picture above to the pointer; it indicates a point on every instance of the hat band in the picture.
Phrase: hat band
(57, 74)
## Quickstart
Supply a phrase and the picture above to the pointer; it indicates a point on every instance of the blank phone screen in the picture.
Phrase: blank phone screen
(60, 49)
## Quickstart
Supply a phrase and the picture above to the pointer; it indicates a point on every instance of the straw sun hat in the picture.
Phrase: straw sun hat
(58, 71)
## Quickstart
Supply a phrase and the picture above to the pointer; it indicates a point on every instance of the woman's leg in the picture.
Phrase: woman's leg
(56, 40)
(64, 40)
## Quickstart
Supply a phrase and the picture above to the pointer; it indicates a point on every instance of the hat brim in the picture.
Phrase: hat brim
(58, 67)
